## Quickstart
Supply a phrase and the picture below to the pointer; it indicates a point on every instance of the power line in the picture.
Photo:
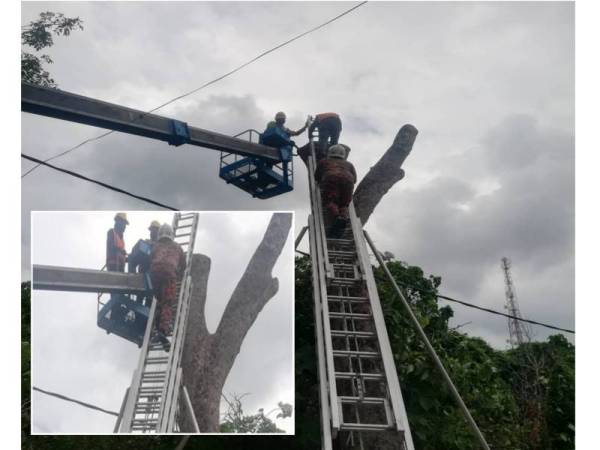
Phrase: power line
(470, 305)
(100, 183)
(481, 308)
(492, 311)
(67, 151)
(193, 91)
(69, 399)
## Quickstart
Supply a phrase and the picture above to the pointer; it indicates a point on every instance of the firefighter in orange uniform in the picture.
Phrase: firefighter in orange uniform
(115, 244)
(166, 268)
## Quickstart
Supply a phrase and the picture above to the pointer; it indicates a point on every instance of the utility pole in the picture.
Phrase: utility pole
(518, 331)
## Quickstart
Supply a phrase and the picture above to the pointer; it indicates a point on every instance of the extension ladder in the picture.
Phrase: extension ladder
(156, 398)
(361, 402)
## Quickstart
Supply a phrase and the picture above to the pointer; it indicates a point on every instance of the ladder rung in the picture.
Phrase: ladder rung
(342, 315)
(343, 281)
(154, 372)
(366, 334)
(344, 266)
(359, 354)
(183, 235)
(153, 378)
(150, 395)
(340, 241)
(147, 409)
(363, 400)
(157, 360)
(365, 426)
(341, 253)
(141, 424)
(341, 298)
(364, 376)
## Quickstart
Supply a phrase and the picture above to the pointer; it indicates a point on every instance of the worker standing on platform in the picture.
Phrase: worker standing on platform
(115, 244)
(336, 178)
(330, 126)
(139, 258)
(280, 118)
(166, 268)
(154, 228)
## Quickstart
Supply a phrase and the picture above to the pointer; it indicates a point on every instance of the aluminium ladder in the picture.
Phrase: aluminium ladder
(361, 402)
(156, 399)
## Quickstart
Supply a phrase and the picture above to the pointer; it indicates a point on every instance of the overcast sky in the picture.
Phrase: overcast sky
(490, 86)
(74, 357)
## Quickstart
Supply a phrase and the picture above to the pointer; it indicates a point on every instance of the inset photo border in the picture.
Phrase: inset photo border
(218, 356)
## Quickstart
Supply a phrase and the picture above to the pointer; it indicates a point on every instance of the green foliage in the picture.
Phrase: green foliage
(38, 35)
(236, 421)
(25, 359)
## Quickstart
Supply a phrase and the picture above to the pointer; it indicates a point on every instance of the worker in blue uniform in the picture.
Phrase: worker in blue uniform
(280, 119)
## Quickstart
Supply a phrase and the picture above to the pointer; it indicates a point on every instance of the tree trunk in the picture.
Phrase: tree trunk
(384, 174)
(208, 358)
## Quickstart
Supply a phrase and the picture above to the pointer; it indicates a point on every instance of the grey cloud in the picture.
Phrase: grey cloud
(490, 87)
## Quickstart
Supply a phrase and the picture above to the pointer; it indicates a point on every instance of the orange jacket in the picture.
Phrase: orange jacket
(115, 252)
(335, 168)
(168, 259)
(326, 115)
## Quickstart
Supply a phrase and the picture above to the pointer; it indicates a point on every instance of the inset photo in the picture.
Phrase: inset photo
(159, 322)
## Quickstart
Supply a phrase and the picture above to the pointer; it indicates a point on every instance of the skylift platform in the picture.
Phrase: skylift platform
(261, 177)
(126, 314)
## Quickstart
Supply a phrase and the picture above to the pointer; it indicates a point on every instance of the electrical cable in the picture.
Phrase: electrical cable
(492, 311)
(69, 399)
(100, 183)
(470, 305)
(193, 91)
(481, 308)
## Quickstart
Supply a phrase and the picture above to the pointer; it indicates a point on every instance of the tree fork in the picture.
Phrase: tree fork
(208, 358)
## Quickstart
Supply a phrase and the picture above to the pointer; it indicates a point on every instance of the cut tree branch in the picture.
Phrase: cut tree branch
(384, 174)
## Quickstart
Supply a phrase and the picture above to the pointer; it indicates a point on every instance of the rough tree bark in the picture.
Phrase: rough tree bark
(208, 358)
(384, 174)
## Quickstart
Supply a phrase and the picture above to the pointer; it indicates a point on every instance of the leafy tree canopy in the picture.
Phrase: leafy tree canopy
(37, 35)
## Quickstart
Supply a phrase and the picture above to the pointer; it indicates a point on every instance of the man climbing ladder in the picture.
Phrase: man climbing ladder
(167, 266)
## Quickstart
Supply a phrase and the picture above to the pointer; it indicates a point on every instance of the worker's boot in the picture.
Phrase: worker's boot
(164, 341)
(337, 228)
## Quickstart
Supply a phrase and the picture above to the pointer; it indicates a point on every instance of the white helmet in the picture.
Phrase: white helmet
(336, 151)
(165, 231)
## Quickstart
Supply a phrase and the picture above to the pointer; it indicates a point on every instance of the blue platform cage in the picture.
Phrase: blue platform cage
(126, 315)
(261, 177)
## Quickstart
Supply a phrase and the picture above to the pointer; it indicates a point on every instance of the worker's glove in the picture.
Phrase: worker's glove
(308, 120)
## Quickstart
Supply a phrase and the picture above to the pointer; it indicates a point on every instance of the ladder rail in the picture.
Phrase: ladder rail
(170, 389)
(353, 333)
(393, 384)
(323, 386)
(129, 410)
(153, 396)
(321, 264)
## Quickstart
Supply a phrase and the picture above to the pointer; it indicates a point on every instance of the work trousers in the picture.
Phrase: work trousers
(165, 291)
(329, 131)
(336, 192)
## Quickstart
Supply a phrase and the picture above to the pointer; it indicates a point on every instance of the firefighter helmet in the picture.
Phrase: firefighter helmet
(122, 216)
(336, 151)
(165, 232)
